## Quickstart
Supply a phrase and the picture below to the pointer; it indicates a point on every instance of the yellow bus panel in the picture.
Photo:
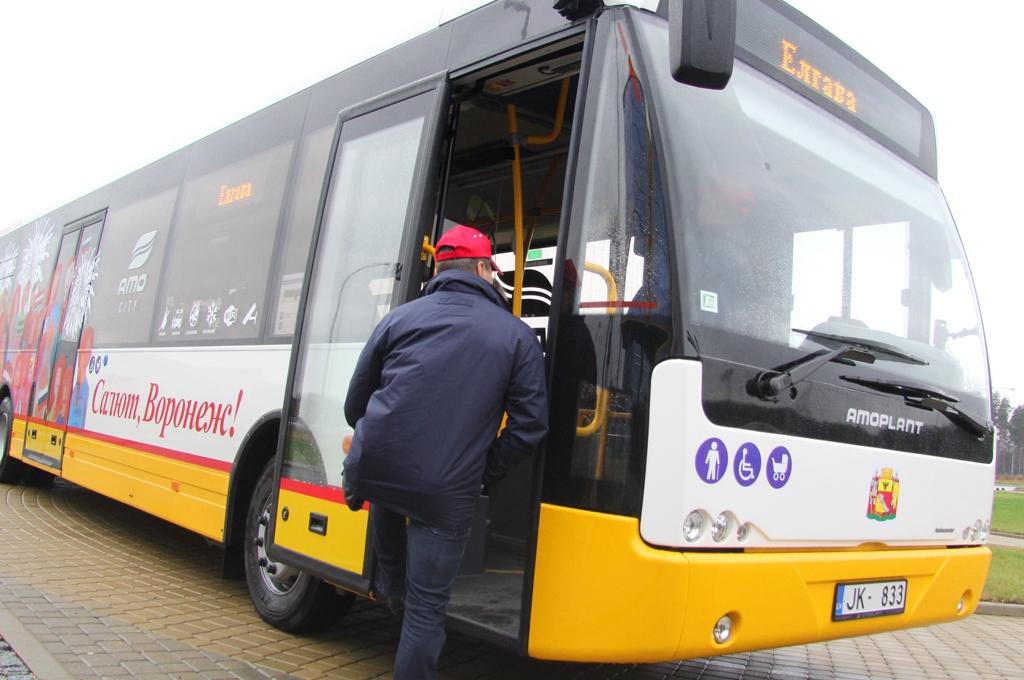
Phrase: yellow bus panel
(342, 545)
(602, 594)
(45, 438)
(188, 494)
(17, 439)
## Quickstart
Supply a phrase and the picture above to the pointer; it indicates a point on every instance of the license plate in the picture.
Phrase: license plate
(863, 600)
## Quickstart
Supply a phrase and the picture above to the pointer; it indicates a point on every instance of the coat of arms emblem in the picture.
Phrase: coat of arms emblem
(884, 496)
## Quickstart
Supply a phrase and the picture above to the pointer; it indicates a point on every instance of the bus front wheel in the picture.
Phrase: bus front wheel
(11, 470)
(285, 597)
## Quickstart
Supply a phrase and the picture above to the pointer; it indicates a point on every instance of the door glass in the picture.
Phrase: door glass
(70, 371)
(59, 286)
(615, 323)
(68, 305)
(355, 271)
(353, 278)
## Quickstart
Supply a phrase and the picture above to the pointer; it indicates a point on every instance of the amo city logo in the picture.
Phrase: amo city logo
(884, 496)
(130, 286)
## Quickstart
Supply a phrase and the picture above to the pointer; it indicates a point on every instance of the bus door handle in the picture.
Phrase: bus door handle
(318, 523)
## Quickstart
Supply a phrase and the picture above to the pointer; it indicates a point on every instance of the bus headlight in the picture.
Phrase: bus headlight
(720, 527)
(693, 526)
(984, 531)
(976, 530)
(743, 533)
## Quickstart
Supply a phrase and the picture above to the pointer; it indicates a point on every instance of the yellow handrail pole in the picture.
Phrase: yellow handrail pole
(600, 413)
(427, 250)
(602, 441)
(602, 448)
(613, 288)
(517, 193)
(556, 127)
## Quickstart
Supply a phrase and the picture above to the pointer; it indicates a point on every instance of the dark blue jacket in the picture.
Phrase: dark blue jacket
(427, 397)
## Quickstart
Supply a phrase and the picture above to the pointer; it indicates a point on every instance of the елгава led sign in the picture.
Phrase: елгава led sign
(229, 195)
(789, 47)
(811, 76)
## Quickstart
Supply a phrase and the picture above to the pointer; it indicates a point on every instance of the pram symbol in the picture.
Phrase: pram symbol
(779, 467)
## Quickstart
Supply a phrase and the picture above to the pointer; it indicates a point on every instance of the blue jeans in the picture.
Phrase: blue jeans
(421, 563)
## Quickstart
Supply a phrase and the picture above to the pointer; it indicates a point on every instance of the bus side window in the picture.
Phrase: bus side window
(298, 229)
(134, 243)
(226, 222)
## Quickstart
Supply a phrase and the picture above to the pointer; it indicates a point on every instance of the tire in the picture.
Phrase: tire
(41, 479)
(12, 471)
(284, 597)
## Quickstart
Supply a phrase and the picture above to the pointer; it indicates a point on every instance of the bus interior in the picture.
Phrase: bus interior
(480, 191)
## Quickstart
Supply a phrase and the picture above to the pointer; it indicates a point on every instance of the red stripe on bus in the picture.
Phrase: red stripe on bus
(328, 493)
(620, 304)
(182, 456)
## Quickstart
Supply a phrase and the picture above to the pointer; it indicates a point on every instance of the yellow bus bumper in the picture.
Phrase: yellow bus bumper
(601, 594)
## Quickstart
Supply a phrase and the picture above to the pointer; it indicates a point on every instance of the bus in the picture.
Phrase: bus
(769, 389)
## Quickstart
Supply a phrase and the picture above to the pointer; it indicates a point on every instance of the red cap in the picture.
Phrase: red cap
(465, 242)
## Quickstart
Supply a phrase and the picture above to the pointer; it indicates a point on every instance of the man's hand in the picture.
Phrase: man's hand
(354, 502)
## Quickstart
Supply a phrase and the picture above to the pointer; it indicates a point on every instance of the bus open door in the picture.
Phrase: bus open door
(488, 148)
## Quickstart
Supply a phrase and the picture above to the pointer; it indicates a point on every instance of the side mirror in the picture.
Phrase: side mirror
(702, 41)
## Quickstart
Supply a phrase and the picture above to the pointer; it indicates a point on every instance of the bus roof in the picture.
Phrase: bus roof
(455, 8)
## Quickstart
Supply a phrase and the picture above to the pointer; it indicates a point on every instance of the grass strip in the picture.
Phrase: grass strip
(1008, 512)
(1006, 576)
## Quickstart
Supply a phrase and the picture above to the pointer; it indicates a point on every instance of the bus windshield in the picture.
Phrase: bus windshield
(790, 220)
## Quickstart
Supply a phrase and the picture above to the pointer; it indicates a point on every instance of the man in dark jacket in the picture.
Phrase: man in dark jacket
(426, 401)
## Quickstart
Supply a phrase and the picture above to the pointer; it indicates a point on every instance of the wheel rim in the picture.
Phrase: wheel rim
(277, 577)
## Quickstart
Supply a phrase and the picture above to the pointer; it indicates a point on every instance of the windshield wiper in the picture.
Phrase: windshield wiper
(770, 384)
(873, 346)
(926, 397)
(902, 389)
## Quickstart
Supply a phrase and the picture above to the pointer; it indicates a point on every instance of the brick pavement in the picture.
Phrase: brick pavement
(107, 591)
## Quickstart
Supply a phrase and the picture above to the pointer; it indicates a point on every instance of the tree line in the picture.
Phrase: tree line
(1010, 437)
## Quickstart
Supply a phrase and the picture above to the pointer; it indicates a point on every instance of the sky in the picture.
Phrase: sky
(90, 91)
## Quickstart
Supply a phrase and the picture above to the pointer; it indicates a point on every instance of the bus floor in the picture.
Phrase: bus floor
(490, 594)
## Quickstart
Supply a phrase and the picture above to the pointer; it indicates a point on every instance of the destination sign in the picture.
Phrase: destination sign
(797, 52)
(811, 76)
(233, 194)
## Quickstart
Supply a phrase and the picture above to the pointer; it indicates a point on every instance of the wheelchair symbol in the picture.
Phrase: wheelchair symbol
(747, 465)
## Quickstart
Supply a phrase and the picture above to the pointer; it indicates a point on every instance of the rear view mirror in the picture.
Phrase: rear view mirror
(702, 41)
